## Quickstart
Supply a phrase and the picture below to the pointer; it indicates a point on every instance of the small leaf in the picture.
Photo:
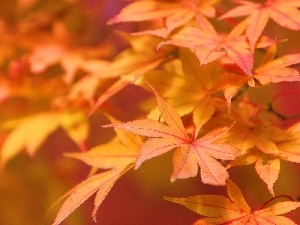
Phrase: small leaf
(268, 171)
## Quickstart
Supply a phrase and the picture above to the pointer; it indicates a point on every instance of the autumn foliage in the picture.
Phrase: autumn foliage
(214, 82)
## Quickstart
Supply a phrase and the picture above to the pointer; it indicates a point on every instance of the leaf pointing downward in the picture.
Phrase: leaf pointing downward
(100, 183)
(165, 137)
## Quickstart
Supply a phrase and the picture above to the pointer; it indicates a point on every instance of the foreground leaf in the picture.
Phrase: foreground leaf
(208, 45)
(165, 137)
(100, 183)
(118, 153)
(285, 13)
(235, 210)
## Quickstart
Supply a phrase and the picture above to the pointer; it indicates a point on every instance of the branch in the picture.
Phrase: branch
(280, 115)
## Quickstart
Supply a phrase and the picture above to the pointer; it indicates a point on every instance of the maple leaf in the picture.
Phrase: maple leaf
(283, 12)
(101, 183)
(265, 145)
(127, 67)
(29, 133)
(267, 166)
(188, 86)
(277, 70)
(250, 130)
(208, 45)
(235, 210)
(175, 14)
(118, 153)
(271, 70)
(191, 152)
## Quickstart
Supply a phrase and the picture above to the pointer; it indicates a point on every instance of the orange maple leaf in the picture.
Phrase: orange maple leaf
(208, 45)
(191, 152)
(271, 70)
(283, 12)
(235, 210)
(263, 144)
(118, 153)
(128, 66)
(100, 183)
(267, 166)
(190, 88)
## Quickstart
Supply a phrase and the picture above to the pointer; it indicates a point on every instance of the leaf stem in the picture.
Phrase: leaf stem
(280, 115)
(272, 199)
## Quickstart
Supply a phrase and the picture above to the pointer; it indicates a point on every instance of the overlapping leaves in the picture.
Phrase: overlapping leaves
(190, 153)
(118, 156)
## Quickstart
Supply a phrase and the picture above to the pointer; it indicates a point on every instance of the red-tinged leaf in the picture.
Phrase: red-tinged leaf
(209, 46)
(155, 147)
(268, 171)
(212, 171)
(285, 13)
(182, 169)
(207, 55)
(179, 18)
(101, 183)
(240, 54)
(259, 19)
(221, 210)
(246, 8)
(163, 138)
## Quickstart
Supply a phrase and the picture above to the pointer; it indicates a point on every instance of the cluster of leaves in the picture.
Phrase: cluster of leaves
(201, 65)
